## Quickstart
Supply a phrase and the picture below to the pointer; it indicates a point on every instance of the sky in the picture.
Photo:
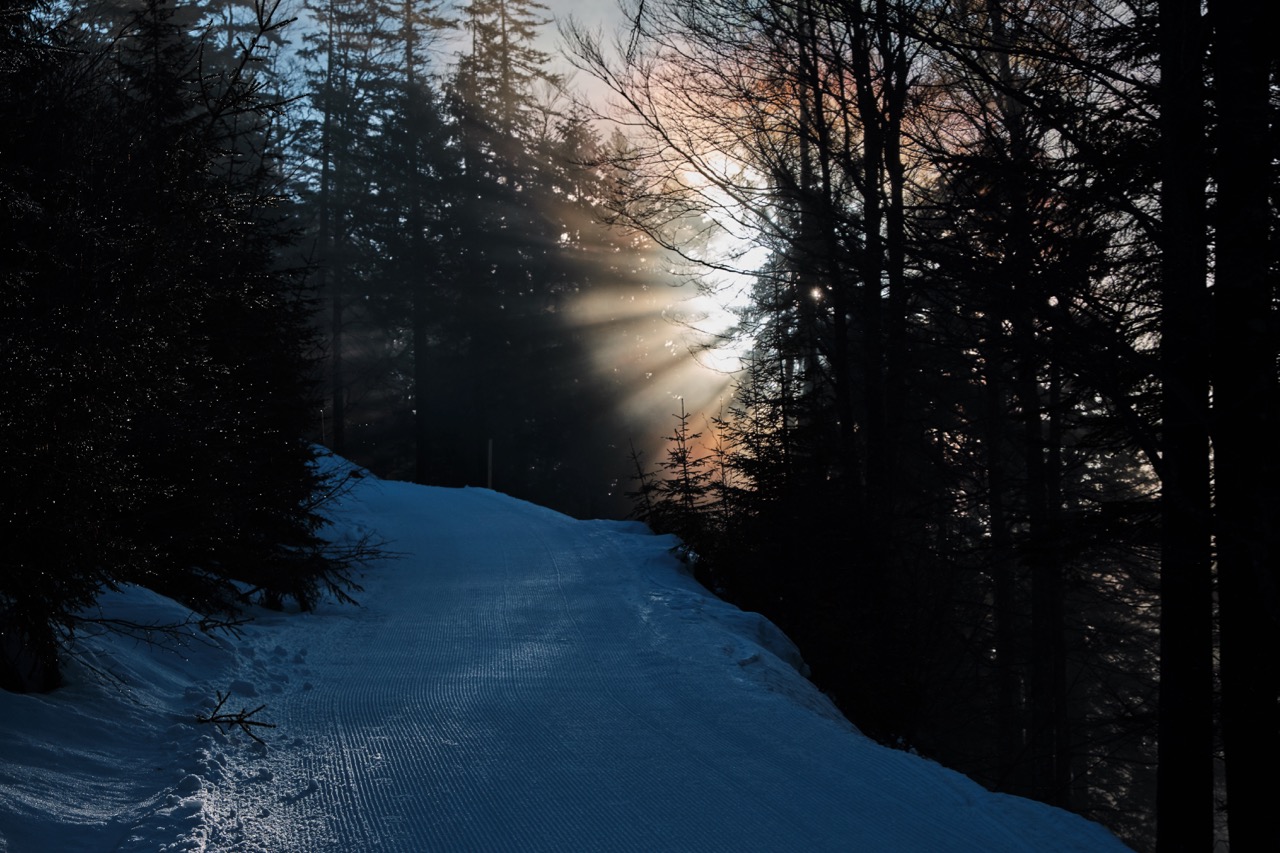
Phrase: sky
(592, 13)
(514, 680)
(704, 378)
(698, 375)
(603, 15)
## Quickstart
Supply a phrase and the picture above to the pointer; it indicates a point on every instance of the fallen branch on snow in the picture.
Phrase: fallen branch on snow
(242, 720)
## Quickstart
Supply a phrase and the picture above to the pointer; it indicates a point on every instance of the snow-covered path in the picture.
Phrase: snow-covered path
(524, 681)
(516, 681)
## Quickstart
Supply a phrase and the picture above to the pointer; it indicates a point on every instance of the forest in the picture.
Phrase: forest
(998, 451)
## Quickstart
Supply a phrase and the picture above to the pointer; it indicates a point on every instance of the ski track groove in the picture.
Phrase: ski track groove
(515, 699)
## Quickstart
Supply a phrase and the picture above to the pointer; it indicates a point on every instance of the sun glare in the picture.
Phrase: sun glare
(667, 341)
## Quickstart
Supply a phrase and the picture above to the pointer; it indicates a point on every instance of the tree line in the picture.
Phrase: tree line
(456, 198)
(998, 459)
(237, 227)
(156, 386)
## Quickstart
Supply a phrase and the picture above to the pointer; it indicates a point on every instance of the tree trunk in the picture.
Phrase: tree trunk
(1041, 548)
(1184, 802)
(327, 242)
(1008, 711)
(337, 378)
(1245, 424)
(416, 271)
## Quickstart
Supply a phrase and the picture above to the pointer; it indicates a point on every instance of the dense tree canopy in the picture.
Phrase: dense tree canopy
(457, 209)
(155, 373)
(997, 456)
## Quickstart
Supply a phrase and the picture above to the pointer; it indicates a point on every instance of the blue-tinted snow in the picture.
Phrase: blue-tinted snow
(517, 680)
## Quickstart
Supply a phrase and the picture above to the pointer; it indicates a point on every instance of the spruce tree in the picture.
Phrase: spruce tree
(156, 336)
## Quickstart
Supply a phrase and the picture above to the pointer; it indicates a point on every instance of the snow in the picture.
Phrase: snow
(515, 680)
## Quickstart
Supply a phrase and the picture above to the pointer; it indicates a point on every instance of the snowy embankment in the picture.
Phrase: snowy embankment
(517, 680)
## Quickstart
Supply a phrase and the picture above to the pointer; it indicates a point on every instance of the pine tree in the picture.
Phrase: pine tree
(346, 60)
(156, 336)
(497, 82)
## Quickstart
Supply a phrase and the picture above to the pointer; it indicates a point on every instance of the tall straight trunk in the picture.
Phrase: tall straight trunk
(1056, 594)
(1020, 719)
(1245, 423)
(1184, 800)
(1008, 711)
(1047, 694)
(421, 378)
(416, 267)
(327, 241)
(896, 82)
(1050, 743)
(820, 245)
(871, 179)
(337, 377)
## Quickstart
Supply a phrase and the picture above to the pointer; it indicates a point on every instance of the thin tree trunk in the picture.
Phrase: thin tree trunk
(421, 377)
(1046, 585)
(896, 82)
(1056, 594)
(820, 240)
(1008, 710)
(337, 377)
(337, 384)
(1024, 299)
(416, 266)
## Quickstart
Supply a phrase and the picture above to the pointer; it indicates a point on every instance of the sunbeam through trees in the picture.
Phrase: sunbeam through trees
(940, 331)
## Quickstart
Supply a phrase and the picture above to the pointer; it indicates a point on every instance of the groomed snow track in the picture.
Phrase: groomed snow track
(521, 681)
(515, 681)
